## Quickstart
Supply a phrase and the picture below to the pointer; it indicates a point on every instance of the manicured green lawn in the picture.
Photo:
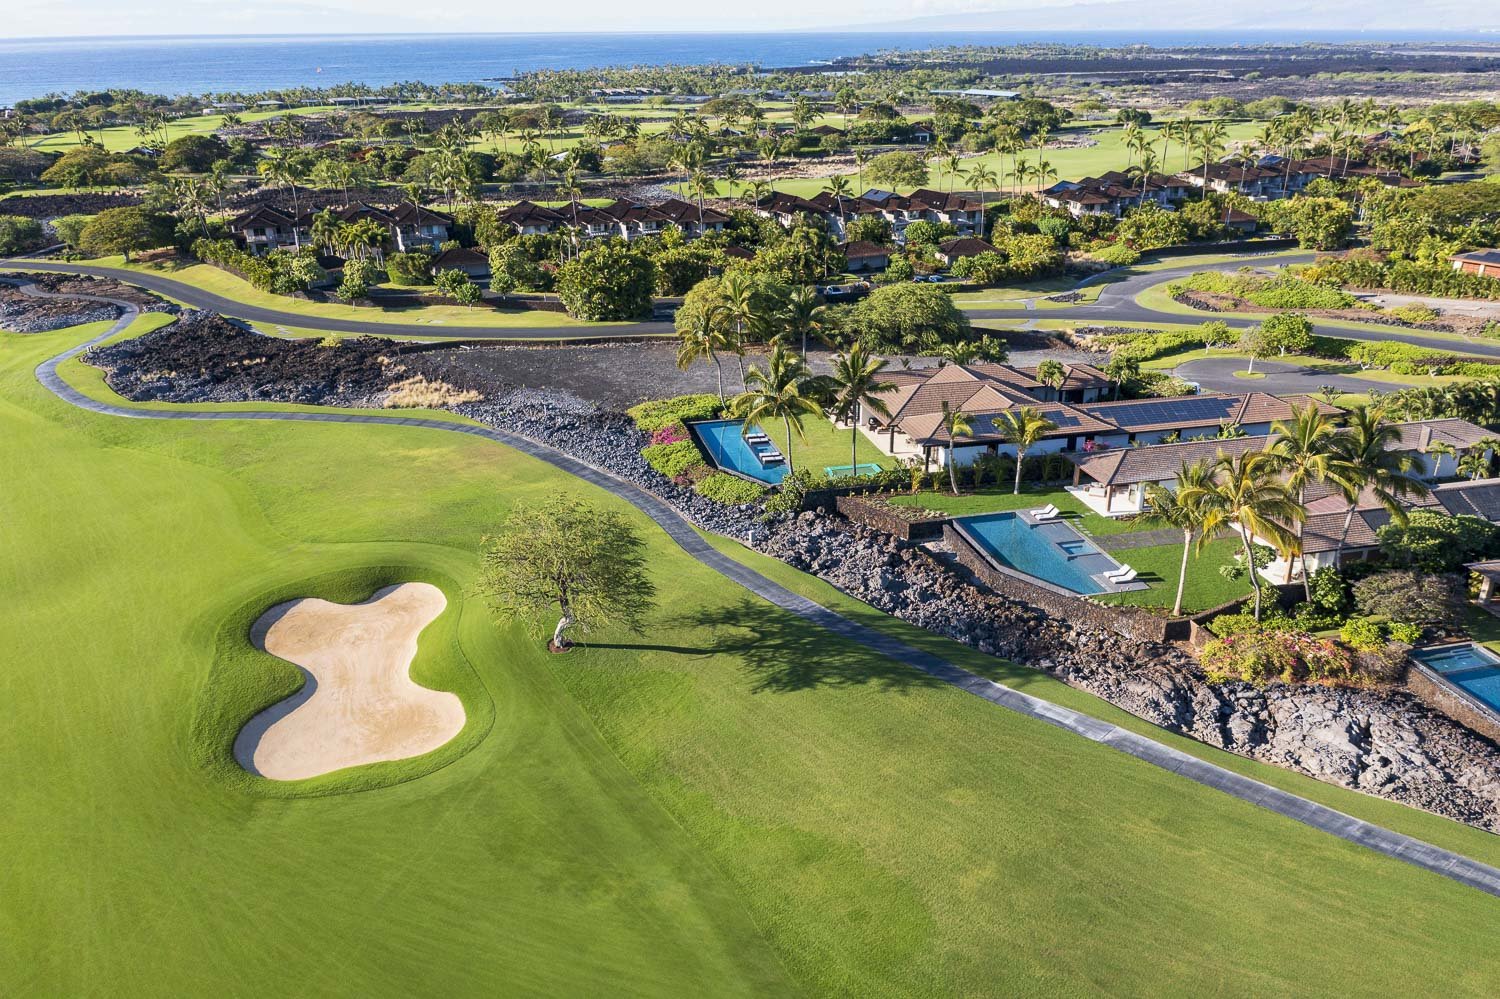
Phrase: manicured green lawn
(1158, 565)
(732, 802)
(822, 445)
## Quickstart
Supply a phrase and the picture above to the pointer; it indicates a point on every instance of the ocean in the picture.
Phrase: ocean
(35, 67)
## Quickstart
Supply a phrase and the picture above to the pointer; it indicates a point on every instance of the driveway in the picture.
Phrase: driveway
(1216, 374)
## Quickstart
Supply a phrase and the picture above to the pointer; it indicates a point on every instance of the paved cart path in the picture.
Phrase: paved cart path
(1393, 844)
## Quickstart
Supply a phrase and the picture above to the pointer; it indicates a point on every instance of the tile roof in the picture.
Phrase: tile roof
(863, 248)
(1125, 466)
(1478, 257)
(965, 246)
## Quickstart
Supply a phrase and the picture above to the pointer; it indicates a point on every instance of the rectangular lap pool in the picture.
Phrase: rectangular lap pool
(1051, 551)
(1471, 668)
(728, 449)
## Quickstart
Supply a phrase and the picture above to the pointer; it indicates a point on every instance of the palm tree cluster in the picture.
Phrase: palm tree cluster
(1262, 493)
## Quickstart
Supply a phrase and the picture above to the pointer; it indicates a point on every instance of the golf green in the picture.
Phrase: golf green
(732, 802)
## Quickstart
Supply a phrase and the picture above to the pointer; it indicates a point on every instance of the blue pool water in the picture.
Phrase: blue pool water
(1051, 551)
(1469, 667)
(727, 448)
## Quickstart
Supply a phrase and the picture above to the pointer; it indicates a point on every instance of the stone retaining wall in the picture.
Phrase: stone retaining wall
(1064, 604)
(1439, 696)
(883, 518)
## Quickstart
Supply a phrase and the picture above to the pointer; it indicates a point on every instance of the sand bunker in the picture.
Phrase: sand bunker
(360, 704)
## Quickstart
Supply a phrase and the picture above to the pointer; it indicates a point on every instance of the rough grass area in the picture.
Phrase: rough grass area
(732, 803)
(418, 392)
(219, 282)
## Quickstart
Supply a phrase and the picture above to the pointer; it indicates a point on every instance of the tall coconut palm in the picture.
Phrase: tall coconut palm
(955, 424)
(1209, 140)
(856, 374)
(981, 178)
(1438, 450)
(1185, 506)
(739, 290)
(1376, 467)
(1024, 428)
(839, 188)
(777, 394)
(1308, 450)
(702, 341)
(1249, 496)
(804, 313)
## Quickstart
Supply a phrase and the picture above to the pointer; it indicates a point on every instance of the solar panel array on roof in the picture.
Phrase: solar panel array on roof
(1184, 409)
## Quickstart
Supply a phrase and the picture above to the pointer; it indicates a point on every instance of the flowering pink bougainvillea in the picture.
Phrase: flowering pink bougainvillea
(670, 434)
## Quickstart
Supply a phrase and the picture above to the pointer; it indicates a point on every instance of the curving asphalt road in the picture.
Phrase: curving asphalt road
(1116, 304)
(1405, 848)
(1216, 374)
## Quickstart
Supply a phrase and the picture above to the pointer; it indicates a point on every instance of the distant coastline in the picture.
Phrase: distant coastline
(173, 65)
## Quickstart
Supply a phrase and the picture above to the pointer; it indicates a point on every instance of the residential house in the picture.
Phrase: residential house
(1155, 421)
(864, 256)
(1484, 263)
(472, 262)
(1235, 178)
(951, 250)
(264, 228)
(409, 227)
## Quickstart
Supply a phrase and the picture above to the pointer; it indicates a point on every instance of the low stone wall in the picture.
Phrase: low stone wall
(1441, 697)
(881, 517)
(1064, 604)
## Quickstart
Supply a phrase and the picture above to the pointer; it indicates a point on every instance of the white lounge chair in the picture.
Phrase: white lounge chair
(1047, 512)
(1124, 574)
(770, 457)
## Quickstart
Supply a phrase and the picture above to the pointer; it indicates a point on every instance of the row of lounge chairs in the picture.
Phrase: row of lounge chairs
(1048, 512)
(765, 452)
(1124, 574)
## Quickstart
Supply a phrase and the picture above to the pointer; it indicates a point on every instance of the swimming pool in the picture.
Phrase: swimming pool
(728, 449)
(1052, 550)
(1471, 668)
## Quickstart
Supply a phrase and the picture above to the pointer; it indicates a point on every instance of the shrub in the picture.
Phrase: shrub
(409, 268)
(1226, 625)
(1289, 293)
(1362, 633)
(1412, 597)
(69, 228)
(673, 460)
(670, 434)
(1288, 656)
(1437, 542)
(19, 234)
(359, 276)
(1405, 632)
(730, 490)
(607, 283)
(1117, 254)
(1414, 313)
(655, 414)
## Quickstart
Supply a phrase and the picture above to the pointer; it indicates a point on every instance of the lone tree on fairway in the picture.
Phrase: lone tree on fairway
(567, 556)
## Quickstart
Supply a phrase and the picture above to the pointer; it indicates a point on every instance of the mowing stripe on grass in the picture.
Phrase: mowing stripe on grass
(1413, 851)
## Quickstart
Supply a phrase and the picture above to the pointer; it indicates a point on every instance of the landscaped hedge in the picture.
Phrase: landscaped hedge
(279, 272)
(657, 414)
(673, 460)
(1406, 276)
(1284, 291)
(731, 490)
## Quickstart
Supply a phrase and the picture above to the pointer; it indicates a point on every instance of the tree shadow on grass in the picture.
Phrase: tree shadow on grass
(784, 653)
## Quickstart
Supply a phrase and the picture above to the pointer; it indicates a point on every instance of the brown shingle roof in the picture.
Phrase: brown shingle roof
(1158, 462)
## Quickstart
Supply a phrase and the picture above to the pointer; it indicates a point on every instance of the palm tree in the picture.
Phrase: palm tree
(777, 393)
(1024, 428)
(739, 290)
(757, 190)
(839, 188)
(702, 186)
(1209, 140)
(1121, 367)
(804, 313)
(1184, 506)
(279, 169)
(703, 340)
(955, 424)
(1440, 450)
(1052, 374)
(1307, 448)
(1374, 465)
(1249, 496)
(981, 178)
(855, 375)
